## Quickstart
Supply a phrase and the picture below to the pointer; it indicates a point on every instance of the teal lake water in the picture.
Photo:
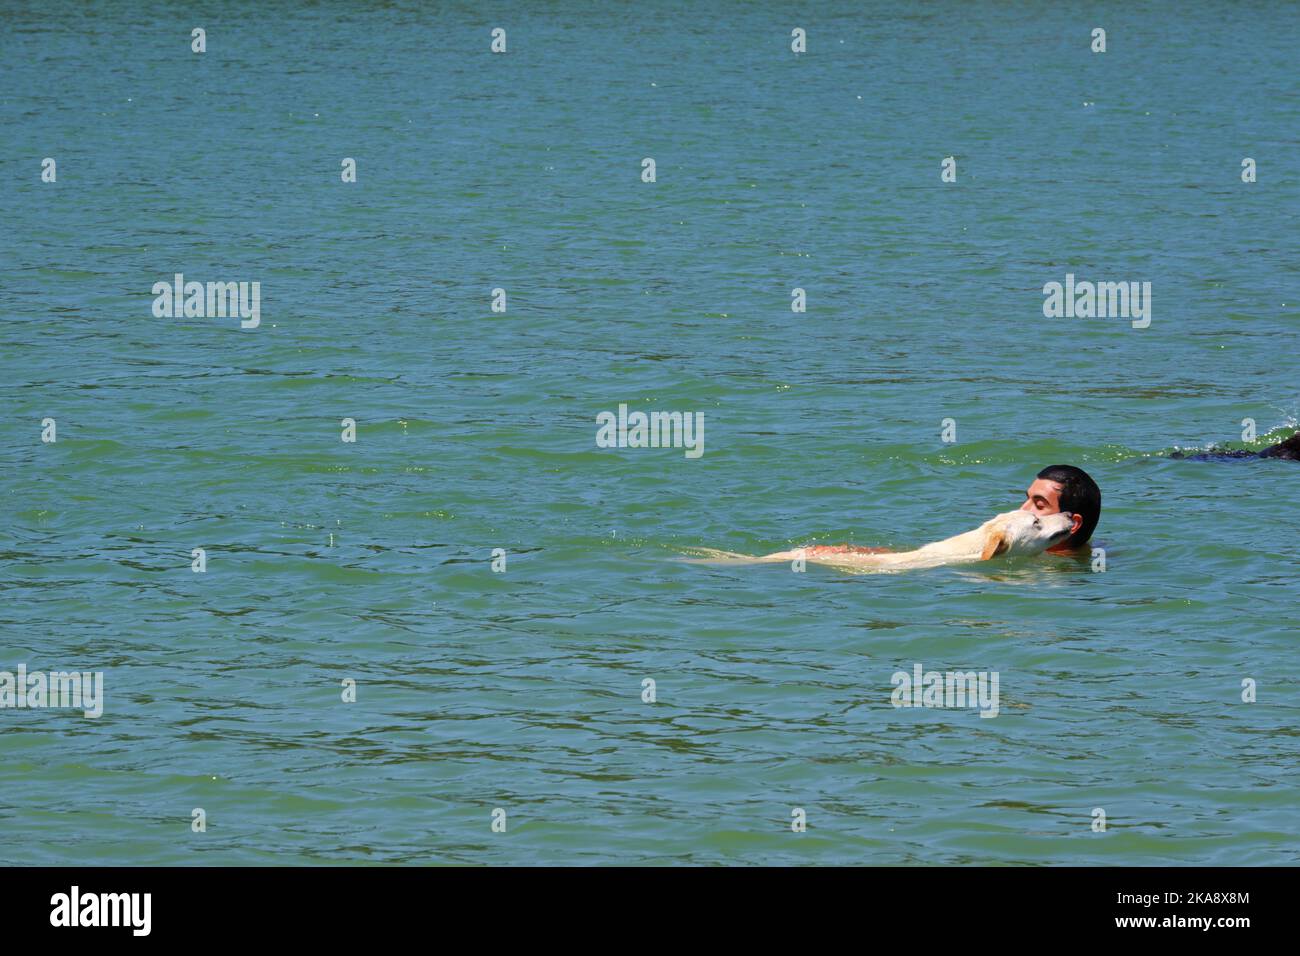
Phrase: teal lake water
(476, 430)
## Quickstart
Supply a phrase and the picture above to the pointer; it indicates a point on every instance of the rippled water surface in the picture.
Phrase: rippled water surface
(476, 430)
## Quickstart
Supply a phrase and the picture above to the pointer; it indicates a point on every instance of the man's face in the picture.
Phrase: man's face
(1043, 497)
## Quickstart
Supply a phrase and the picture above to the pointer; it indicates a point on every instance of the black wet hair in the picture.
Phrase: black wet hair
(1079, 495)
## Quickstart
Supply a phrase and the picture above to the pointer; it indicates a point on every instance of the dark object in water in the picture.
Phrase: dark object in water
(1288, 450)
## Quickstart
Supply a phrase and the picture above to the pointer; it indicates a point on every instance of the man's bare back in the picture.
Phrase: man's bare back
(819, 549)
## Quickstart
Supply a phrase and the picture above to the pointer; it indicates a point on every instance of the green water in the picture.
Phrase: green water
(522, 690)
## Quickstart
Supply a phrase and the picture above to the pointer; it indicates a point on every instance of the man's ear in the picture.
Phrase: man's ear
(995, 544)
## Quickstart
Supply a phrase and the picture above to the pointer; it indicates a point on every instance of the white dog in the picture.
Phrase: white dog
(1016, 533)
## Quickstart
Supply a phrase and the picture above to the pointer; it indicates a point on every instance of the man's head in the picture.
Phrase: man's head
(1062, 488)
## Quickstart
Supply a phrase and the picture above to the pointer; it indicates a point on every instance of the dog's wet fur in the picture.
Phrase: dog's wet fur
(1014, 534)
(1288, 450)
